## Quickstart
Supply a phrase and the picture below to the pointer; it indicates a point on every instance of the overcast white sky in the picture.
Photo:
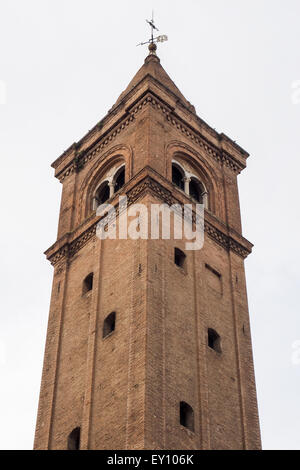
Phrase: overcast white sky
(63, 64)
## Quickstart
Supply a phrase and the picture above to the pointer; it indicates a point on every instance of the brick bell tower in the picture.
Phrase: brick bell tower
(148, 345)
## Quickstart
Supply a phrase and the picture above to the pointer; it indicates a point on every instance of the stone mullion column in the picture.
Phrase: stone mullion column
(187, 181)
(90, 363)
(205, 199)
(111, 189)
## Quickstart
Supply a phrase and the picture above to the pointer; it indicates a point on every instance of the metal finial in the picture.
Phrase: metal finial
(152, 42)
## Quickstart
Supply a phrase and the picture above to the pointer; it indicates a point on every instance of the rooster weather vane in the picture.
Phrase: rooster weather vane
(152, 42)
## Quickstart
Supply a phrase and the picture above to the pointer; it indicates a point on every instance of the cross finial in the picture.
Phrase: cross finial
(152, 25)
(152, 42)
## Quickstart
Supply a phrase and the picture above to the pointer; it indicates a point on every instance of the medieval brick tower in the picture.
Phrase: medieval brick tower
(148, 345)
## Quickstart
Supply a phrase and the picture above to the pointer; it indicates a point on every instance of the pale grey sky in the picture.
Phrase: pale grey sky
(63, 64)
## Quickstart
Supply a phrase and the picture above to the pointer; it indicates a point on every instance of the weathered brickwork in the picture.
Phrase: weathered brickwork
(124, 390)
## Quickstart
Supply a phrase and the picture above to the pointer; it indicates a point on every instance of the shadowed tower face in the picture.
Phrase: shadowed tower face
(148, 343)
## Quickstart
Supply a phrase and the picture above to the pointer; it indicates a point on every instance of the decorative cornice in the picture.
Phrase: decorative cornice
(89, 154)
(221, 157)
(69, 249)
(59, 255)
(149, 98)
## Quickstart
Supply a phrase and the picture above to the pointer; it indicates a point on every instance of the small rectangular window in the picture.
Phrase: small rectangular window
(109, 324)
(179, 258)
(186, 416)
(74, 439)
(214, 340)
(87, 284)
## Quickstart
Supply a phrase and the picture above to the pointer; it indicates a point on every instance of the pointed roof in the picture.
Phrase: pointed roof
(152, 68)
(150, 76)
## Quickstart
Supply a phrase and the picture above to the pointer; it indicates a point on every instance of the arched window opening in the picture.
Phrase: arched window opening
(102, 194)
(179, 257)
(120, 179)
(214, 340)
(196, 191)
(187, 416)
(177, 177)
(109, 324)
(74, 439)
(87, 284)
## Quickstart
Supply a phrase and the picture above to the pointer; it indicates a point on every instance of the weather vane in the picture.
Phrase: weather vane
(153, 40)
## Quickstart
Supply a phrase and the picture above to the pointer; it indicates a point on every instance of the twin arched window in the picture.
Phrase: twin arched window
(109, 187)
(188, 183)
(185, 181)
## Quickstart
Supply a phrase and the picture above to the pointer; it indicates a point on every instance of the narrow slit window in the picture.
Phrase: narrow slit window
(186, 416)
(88, 284)
(214, 340)
(179, 257)
(74, 439)
(109, 324)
